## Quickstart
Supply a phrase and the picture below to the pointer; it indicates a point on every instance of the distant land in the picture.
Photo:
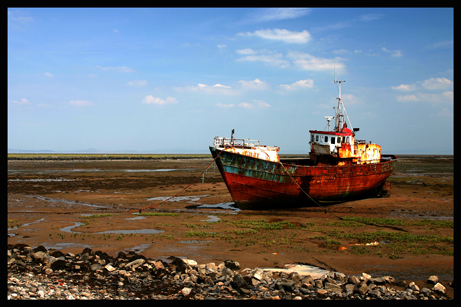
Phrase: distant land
(96, 151)
(182, 151)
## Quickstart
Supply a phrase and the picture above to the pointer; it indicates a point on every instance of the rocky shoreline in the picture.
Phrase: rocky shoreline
(38, 273)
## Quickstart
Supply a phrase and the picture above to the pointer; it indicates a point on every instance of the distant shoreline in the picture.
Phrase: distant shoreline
(107, 157)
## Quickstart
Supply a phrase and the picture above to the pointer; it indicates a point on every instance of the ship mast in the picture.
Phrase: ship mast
(338, 115)
(340, 111)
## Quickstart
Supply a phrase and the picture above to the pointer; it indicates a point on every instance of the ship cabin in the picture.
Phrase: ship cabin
(341, 148)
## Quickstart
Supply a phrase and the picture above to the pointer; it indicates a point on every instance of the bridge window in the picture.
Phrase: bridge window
(326, 139)
(317, 137)
(332, 140)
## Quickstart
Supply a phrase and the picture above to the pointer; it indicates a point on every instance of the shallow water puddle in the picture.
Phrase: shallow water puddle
(211, 219)
(230, 206)
(27, 224)
(68, 202)
(65, 245)
(190, 199)
(121, 231)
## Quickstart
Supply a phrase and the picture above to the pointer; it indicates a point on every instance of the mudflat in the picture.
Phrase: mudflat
(164, 207)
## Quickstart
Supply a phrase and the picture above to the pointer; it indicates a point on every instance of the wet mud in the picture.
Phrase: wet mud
(70, 205)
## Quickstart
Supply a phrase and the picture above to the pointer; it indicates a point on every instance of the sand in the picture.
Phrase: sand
(49, 203)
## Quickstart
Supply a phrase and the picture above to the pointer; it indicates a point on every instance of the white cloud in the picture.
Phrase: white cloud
(274, 14)
(281, 35)
(394, 53)
(369, 17)
(221, 86)
(22, 101)
(404, 87)
(246, 105)
(407, 98)
(310, 62)
(118, 69)
(158, 101)
(48, 74)
(206, 89)
(261, 103)
(308, 83)
(440, 45)
(255, 84)
(266, 56)
(81, 103)
(246, 51)
(428, 84)
(225, 106)
(137, 83)
(222, 46)
(271, 14)
(437, 83)
(255, 104)
(19, 16)
(444, 97)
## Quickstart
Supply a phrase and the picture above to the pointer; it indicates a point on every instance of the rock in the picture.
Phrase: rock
(104, 277)
(233, 265)
(362, 288)
(59, 264)
(109, 268)
(211, 266)
(374, 293)
(340, 276)
(288, 286)
(190, 262)
(258, 274)
(378, 281)
(239, 281)
(366, 277)
(439, 288)
(227, 272)
(353, 280)
(39, 256)
(389, 279)
(186, 291)
(321, 292)
(413, 286)
(136, 263)
(433, 280)
(332, 287)
(159, 265)
(181, 266)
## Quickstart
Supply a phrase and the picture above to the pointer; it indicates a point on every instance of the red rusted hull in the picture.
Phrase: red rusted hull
(260, 184)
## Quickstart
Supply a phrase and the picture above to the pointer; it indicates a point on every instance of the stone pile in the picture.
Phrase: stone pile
(38, 273)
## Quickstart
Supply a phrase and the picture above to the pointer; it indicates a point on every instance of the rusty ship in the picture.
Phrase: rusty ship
(339, 168)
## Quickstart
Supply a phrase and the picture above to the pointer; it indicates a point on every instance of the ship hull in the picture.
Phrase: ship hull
(260, 184)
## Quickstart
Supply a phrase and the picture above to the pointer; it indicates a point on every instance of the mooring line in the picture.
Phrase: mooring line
(326, 210)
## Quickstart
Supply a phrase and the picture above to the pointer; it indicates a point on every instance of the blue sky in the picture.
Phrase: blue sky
(168, 80)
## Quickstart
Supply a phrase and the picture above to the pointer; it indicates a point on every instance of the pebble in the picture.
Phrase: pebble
(38, 273)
